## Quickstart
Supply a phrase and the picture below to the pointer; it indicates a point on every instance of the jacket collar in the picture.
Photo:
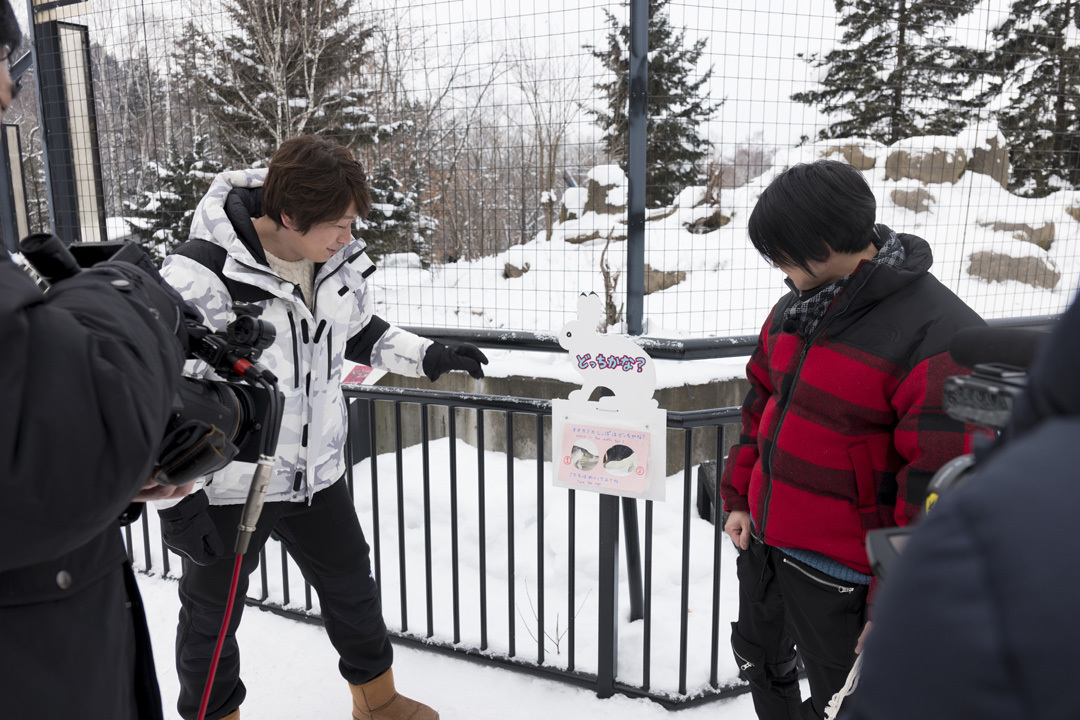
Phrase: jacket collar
(873, 282)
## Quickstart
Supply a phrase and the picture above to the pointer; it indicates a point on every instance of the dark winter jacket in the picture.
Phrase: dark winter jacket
(843, 430)
(86, 383)
(979, 617)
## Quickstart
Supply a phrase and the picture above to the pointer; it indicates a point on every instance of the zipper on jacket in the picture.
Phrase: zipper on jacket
(783, 416)
(297, 480)
(304, 330)
(295, 351)
(822, 329)
(329, 354)
(744, 664)
(319, 330)
(842, 589)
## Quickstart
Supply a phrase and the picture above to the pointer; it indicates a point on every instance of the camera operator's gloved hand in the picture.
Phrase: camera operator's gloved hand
(187, 528)
(440, 358)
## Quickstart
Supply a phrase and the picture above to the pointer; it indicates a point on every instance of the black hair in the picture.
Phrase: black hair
(10, 35)
(810, 208)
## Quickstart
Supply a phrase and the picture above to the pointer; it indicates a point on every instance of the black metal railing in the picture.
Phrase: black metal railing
(571, 628)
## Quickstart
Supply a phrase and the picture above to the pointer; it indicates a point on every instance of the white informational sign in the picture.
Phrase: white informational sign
(618, 444)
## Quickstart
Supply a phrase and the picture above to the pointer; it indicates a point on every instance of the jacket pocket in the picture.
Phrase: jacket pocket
(866, 487)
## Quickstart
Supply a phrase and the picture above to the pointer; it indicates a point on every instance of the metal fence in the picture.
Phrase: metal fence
(477, 555)
(520, 154)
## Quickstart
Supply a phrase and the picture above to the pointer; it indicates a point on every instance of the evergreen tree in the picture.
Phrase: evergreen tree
(1038, 53)
(676, 108)
(396, 222)
(161, 219)
(292, 67)
(896, 74)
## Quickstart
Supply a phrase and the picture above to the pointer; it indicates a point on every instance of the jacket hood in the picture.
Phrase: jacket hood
(873, 282)
(212, 219)
(242, 205)
(883, 280)
(224, 217)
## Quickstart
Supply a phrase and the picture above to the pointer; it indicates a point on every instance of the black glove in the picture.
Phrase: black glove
(187, 528)
(440, 358)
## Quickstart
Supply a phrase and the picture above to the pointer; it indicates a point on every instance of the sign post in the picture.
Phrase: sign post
(615, 446)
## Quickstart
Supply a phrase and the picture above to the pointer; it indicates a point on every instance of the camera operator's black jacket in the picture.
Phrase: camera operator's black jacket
(979, 619)
(86, 383)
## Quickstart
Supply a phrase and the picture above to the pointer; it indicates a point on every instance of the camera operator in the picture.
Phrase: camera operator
(978, 619)
(87, 379)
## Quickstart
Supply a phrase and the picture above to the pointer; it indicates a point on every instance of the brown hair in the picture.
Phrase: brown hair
(312, 180)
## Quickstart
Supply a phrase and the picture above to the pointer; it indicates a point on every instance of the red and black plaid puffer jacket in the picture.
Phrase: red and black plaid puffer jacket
(842, 431)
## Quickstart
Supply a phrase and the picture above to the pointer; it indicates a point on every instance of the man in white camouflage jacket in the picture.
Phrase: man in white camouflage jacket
(280, 238)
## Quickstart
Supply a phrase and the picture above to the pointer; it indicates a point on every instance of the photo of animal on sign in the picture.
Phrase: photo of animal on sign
(620, 465)
(615, 445)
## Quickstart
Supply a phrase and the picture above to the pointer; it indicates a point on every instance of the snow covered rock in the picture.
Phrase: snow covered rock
(573, 204)
(917, 200)
(657, 280)
(513, 271)
(998, 267)
(990, 156)
(1042, 236)
(854, 153)
(606, 190)
(926, 159)
(708, 223)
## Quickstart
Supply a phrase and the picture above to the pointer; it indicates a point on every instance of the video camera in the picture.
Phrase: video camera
(999, 359)
(211, 422)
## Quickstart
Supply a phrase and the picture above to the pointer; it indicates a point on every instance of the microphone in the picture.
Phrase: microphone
(1001, 346)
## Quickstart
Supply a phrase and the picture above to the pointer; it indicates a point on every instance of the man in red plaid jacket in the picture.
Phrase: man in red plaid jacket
(843, 427)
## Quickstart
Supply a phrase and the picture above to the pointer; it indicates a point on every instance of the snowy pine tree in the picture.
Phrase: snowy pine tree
(1038, 53)
(291, 67)
(677, 109)
(396, 222)
(896, 73)
(161, 218)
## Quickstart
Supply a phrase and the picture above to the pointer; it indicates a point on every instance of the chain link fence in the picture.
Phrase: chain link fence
(495, 139)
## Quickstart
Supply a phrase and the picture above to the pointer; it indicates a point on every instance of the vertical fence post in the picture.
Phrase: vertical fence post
(633, 557)
(635, 230)
(607, 662)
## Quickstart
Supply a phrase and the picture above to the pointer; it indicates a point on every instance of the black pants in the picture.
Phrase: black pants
(784, 604)
(328, 545)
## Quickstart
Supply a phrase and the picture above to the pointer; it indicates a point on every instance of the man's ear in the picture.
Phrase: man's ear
(288, 222)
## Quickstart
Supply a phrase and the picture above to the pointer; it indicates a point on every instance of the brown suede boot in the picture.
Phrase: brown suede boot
(378, 700)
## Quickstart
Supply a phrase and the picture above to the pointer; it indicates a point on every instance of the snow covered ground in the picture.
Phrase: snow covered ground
(291, 673)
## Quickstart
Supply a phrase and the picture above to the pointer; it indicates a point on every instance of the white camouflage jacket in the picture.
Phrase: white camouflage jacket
(308, 353)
